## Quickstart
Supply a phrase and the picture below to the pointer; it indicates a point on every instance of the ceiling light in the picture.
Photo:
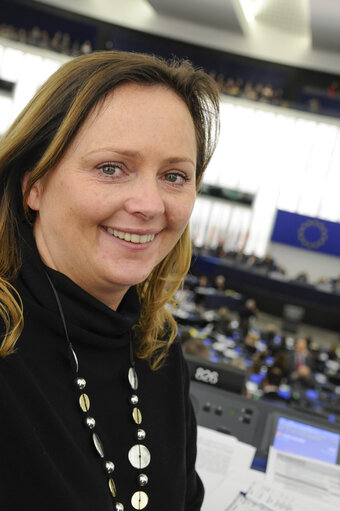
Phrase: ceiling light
(251, 8)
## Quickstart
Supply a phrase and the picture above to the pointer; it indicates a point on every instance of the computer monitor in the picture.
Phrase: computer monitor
(295, 436)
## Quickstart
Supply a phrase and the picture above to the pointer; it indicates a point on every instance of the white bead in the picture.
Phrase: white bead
(133, 379)
(139, 500)
(98, 445)
(139, 456)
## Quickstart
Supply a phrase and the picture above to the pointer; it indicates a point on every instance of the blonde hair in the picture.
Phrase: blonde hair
(38, 139)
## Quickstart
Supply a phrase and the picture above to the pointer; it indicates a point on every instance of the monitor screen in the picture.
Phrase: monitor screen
(296, 437)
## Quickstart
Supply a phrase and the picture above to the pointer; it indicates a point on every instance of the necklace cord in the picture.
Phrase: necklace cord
(139, 455)
(132, 358)
(59, 307)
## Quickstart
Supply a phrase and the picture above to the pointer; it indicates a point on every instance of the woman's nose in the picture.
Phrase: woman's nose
(145, 199)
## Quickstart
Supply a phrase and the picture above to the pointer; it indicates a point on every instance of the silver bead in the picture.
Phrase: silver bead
(141, 434)
(119, 506)
(134, 399)
(143, 479)
(81, 383)
(90, 422)
(110, 466)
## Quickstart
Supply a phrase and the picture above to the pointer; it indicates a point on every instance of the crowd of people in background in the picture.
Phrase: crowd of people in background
(265, 92)
(271, 268)
(293, 370)
(63, 42)
(60, 42)
(238, 87)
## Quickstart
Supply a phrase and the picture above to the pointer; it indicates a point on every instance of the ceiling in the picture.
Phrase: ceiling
(303, 33)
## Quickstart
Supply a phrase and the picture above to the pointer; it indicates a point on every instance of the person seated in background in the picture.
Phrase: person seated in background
(301, 277)
(247, 314)
(220, 284)
(301, 364)
(195, 347)
(222, 324)
(252, 261)
(324, 284)
(218, 251)
(271, 385)
(269, 335)
(274, 340)
(239, 362)
(203, 281)
(241, 257)
(268, 263)
(336, 286)
(200, 291)
(258, 361)
(334, 352)
(317, 363)
(231, 254)
(250, 342)
(278, 274)
(281, 360)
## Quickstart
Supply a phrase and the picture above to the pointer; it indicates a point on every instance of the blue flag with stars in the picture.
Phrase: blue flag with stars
(307, 232)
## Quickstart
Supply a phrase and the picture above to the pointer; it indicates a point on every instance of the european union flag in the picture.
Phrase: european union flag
(306, 232)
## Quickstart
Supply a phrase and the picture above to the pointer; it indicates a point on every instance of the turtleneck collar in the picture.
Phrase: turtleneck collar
(81, 310)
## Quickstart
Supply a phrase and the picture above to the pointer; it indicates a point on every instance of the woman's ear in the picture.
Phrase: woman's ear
(33, 197)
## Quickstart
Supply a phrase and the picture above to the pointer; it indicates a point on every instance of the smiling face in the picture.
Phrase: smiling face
(121, 196)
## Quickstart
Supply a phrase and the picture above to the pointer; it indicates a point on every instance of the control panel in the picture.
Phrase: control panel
(250, 421)
(226, 412)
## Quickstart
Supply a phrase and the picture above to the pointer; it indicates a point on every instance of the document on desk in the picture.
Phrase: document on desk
(263, 497)
(317, 481)
(221, 460)
(260, 497)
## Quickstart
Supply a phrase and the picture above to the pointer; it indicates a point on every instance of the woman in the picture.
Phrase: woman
(98, 177)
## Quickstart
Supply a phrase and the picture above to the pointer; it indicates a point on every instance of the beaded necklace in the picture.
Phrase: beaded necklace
(139, 455)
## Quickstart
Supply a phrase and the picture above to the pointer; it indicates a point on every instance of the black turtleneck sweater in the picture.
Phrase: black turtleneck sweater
(47, 458)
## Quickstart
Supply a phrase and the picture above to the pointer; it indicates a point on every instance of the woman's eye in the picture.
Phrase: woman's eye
(176, 178)
(110, 169)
